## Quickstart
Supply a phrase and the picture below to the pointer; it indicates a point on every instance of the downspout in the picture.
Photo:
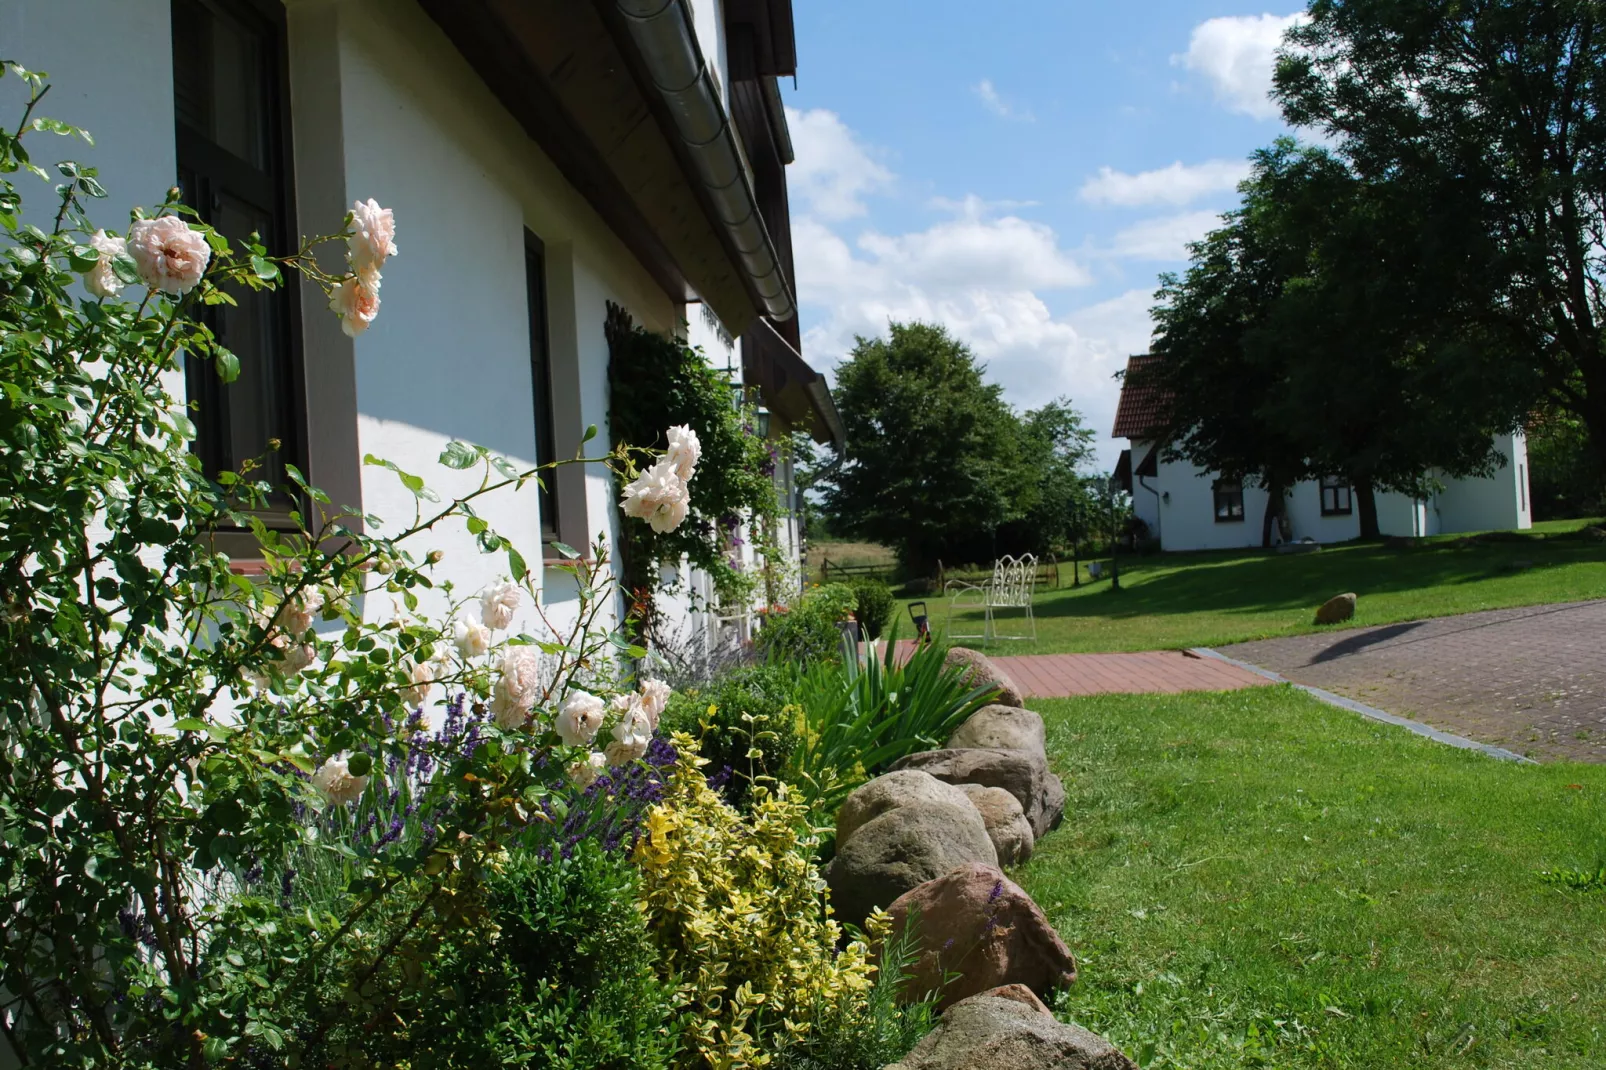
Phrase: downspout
(664, 35)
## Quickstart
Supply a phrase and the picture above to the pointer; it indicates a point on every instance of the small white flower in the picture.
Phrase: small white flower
(334, 782)
(654, 698)
(498, 605)
(356, 301)
(579, 718)
(583, 772)
(101, 280)
(471, 638)
(684, 452)
(658, 496)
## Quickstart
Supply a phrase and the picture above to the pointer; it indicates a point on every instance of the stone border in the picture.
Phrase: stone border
(1372, 712)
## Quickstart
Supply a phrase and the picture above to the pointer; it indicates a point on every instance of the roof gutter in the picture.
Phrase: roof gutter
(664, 35)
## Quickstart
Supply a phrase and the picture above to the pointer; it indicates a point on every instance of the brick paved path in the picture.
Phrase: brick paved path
(1532, 680)
(1064, 675)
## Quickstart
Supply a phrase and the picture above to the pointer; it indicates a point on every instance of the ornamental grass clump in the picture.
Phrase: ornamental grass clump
(742, 920)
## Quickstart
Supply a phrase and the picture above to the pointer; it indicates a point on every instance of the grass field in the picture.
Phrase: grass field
(1256, 879)
(1209, 599)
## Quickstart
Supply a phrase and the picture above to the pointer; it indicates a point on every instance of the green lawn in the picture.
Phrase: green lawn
(1256, 879)
(1210, 599)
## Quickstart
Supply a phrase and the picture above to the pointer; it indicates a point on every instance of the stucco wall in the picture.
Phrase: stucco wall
(1496, 502)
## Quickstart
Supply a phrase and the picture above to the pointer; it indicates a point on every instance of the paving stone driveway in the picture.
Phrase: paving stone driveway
(1532, 680)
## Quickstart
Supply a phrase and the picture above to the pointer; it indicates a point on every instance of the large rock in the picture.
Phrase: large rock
(1006, 822)
(981, 672)
(1022, 773)
(1000, 728)
(903, 848)
(976, 923)
(996, 1033)
(907, 787)
(1336, 610)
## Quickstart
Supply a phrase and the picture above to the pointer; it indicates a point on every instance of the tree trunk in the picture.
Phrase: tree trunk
(1366, 502)
(1276, 506)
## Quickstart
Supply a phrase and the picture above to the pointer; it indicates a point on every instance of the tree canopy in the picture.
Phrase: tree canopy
(938, 465)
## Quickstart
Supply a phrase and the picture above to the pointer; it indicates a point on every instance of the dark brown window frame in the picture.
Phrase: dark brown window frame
(1231, 493)
(544, 397)
(1340, 491)
(197, 154)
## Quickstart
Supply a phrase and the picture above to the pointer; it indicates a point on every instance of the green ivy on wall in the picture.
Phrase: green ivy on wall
(656, 382)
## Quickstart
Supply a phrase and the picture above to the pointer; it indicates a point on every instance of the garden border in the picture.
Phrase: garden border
(1372, 712)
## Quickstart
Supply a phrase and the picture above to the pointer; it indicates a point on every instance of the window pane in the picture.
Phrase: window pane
(541, 379)
(220, 77)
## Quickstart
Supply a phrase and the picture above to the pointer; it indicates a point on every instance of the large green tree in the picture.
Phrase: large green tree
(1490, 112)
(933, 451)
(1309, 338)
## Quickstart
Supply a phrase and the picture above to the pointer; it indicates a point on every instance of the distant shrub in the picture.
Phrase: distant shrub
(873, 606)
(807, 632)
(744, 711)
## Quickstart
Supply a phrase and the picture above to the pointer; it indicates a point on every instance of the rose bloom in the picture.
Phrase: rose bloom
(520, 683)
(507, 713)
(654, 698)
(631, 734)
(657, 496)
(169, 255)
(684, 452)
(373, 240)
(618, 753)
(498, 605)
(422, 674)
(101, 280)
(471, 638)
(334, 782)
(583, 772)
(297, 614)
(579, 718)
(356, 303)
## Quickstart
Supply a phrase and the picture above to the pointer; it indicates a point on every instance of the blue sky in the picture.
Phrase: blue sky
(1020, 171)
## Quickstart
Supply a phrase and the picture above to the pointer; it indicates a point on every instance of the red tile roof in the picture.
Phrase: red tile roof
(1144, 403)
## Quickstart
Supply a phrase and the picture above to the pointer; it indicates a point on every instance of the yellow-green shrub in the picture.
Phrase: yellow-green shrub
(741, 919)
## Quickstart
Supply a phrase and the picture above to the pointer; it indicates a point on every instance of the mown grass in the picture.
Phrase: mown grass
(1174, 601)
(1256, 879)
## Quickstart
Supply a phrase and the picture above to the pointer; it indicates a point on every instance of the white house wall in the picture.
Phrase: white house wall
(1498, 502)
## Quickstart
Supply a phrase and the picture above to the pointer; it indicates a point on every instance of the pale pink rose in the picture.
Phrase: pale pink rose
(583, 772)
(618, 753)
(498, 604)
(633, 729)
(507, 714)
(373, 239)
(296, 656)
(654, 698)
(471, 637)
(101, 280)
(520, 682)
(684, 452)
(422, 674)
(297, 614)
(657, 496)
(356, 303)
(334, 782)
(170, 256)
(579, 718)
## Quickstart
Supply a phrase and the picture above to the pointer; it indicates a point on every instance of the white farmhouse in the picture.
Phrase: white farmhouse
(1187, 508)
(544, 158)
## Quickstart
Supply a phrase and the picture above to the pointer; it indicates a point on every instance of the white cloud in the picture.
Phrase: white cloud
(1176, 185)
(833, 173)
(1236, 55)
(1163, 239)
(995, 102)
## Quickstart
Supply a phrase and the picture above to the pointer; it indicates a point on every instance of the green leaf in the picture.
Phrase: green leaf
(228, 365)
(265, 269)
(458, 455)
(190, 724)
(565, 550)
(515, 561)
(591, 433)
(124, 268)
(360, 764)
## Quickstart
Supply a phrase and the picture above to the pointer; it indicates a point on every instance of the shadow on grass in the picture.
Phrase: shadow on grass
(1262, 581)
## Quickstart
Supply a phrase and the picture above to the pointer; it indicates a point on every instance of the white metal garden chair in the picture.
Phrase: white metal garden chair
(1013, 581)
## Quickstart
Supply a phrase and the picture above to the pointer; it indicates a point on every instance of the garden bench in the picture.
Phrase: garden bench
(1011, 586)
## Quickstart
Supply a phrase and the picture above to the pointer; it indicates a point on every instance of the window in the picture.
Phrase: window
(229, 90)
(1336, 497)
(541, 377)
(1522, 487)
(1229, 501)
